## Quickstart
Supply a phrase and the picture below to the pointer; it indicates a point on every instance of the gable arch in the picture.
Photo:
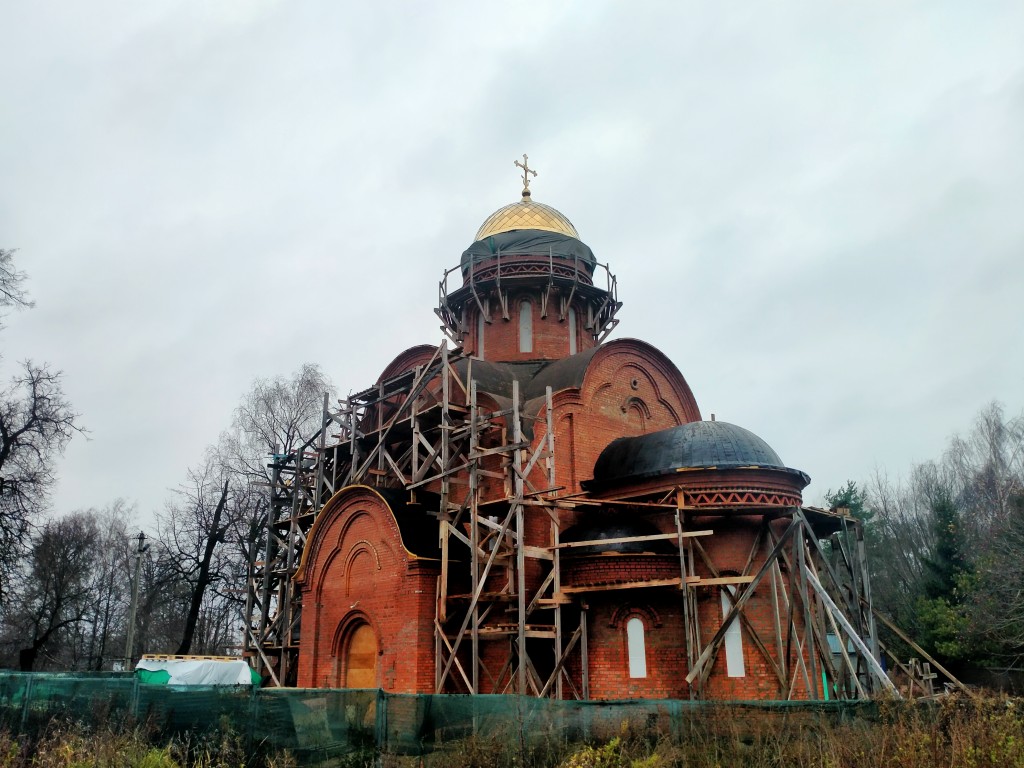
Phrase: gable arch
(645, 363)
(340, 516)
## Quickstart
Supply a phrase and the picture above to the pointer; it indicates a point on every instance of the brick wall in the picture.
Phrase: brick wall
(629, 389)
(356, 570)
(664, 641)
(550, 334)
(661, 612)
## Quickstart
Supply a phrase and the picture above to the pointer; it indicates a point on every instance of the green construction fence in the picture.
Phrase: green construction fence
(323, 725)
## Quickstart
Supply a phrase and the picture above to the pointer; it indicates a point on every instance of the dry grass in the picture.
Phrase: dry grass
(954, 731)
(67, 745)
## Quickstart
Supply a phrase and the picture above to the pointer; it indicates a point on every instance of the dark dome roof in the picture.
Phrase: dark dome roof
(697, 444)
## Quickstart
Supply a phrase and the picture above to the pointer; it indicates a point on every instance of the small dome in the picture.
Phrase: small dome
(526, 214)
(699, 444)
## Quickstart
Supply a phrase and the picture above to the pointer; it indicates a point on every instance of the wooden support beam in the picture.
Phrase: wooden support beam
(903, 636)
(561, 661)
(839, 639)
(631, 539)
(558, 599)
(451, 657)
(746, 578)
(719, 637)
(539, 553)
(471, 612)
(624, 585)
(699, 581)
(857, 641)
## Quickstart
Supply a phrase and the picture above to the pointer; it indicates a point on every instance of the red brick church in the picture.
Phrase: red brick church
(531, 508)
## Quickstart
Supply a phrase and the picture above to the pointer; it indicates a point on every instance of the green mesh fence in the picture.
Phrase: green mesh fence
(324, 725)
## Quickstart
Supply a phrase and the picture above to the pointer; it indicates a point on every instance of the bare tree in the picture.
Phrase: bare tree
(191, 533)
(987, 467)
(57, 593)
(105, 624)
(275, 417)
(12, 282)
(969, 503)
(208, 535)
(163, 600)
(36, 423)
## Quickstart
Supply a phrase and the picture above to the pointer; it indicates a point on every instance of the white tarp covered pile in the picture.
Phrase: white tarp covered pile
(200, 671)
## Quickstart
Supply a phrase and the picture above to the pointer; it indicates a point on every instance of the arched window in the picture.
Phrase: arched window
(526, 327)
(480, 325)
(733, 638)
(359, 658)
(635, 647)
(572, 331)
(637, 414)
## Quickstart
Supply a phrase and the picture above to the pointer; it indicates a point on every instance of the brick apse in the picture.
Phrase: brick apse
(531, 508)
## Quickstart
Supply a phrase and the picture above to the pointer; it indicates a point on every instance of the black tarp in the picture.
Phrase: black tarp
(533, 242)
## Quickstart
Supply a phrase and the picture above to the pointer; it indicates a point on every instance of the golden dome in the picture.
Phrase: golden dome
(526, 214)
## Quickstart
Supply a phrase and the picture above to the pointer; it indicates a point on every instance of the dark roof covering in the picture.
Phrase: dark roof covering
(417, 526)
(697, 444)
(598, 526)
(534, 377)
(561, 374)
(530, 241)
(497, 378)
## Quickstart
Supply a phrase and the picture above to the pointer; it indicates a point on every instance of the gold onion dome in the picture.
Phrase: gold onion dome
(526, 214)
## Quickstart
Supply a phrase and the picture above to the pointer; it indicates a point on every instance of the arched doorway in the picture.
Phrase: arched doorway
(359, 658)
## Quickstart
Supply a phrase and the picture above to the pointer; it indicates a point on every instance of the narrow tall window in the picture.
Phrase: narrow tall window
(733, 638)
(635, 648)
(526, 327)
(572, 331)
(480, 325)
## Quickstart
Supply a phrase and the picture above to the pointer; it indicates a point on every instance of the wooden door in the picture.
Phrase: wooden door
(359, 664)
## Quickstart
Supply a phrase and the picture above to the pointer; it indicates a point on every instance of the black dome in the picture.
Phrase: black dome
(697, 444)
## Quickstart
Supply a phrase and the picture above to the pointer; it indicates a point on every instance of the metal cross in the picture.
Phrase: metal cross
(527, 170)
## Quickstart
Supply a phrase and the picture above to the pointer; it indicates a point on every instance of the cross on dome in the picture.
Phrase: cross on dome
(527, 170)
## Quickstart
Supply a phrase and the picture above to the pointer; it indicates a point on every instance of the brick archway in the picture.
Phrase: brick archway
(358, 655)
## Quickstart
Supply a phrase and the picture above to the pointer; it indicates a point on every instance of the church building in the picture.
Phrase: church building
(530, 507)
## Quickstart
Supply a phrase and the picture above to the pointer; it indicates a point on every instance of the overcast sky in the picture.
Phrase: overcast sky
(815, 209)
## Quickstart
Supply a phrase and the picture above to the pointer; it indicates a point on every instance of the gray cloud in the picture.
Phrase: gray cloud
(813, 209)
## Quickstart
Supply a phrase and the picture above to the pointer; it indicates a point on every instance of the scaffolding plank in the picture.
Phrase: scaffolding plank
(630, 539)
(621, 585)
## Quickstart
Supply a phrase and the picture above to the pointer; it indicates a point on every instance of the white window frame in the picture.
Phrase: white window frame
(636, 648)
(734, 665)
(525, 326)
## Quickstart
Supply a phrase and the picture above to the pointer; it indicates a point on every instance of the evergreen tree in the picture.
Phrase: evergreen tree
(947, 561)
(850, 497)
(941, 610)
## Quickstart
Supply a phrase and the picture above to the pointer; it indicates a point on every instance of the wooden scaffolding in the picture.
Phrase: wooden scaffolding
(505, 619)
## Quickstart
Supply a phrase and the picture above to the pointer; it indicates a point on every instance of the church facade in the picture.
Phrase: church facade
(532, 508)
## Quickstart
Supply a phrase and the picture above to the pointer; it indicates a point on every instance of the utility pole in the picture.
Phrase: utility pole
(130, 641)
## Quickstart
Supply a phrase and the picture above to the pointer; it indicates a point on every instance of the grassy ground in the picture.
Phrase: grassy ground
(954, 731)
(66, 745)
